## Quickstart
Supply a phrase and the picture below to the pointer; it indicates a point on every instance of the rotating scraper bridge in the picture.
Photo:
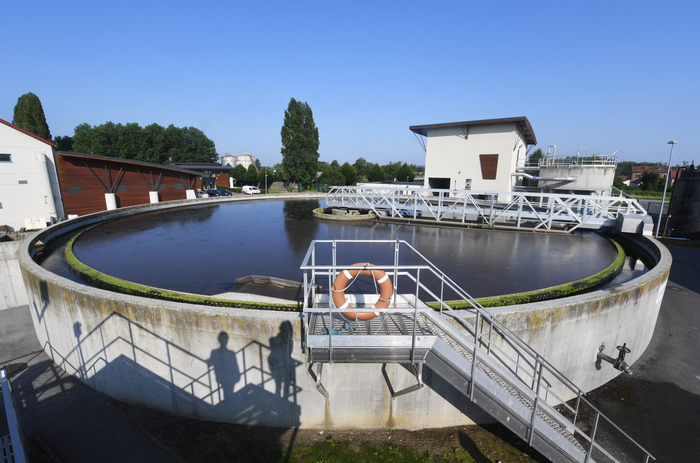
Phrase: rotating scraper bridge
(411, 367)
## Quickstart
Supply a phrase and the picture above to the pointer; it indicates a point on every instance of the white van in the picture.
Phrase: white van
(250, 190)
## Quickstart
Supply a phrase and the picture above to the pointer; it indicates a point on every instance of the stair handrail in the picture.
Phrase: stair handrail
(480, 312)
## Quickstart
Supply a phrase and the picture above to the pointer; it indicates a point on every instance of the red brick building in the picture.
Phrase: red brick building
(637, 171)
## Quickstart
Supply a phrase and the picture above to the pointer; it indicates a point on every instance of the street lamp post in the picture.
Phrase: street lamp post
(265, 179)
(668, 174)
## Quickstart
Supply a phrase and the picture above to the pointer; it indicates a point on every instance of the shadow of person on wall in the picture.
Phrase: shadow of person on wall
(225, 367)
(280, 360)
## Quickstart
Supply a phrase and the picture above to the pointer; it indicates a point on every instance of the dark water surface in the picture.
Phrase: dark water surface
(204, 249)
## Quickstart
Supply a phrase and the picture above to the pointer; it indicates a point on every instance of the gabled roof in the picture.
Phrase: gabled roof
(26, 133)
(521, 122)
(66, 154)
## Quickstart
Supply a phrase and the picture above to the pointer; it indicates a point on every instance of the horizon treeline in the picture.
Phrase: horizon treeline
(153, 143)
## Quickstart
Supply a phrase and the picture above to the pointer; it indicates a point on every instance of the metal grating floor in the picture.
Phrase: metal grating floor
(6, 454)
(386, 324)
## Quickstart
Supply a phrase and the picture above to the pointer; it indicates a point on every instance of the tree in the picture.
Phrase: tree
(63, 143)
(349, 174)
(535, 157)
(150, 144)
(257, 164)
(251, 174)
(404, 171)
(361, 167)
(239, 173)
(376, 173)
(29, 115)
(332, 175)
(650, 181)
(299, 143)
(618, 183)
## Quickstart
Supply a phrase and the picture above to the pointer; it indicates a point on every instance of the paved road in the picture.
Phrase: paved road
(659, 406)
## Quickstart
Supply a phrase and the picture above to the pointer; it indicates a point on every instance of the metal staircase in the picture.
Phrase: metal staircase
(470, 349)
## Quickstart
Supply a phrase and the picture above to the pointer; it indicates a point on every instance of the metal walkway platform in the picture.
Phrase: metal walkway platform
(471, 350)
(537, 211)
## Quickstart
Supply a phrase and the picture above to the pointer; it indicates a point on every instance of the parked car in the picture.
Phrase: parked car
(250, 190)
(212, 193)
(224, 192)
(202, 194)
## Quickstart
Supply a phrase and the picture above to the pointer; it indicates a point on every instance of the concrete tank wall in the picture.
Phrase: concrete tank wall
(12, 292)
(597, 179)
(247, 366)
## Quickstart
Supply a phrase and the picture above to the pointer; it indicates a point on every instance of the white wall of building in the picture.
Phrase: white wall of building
(23, 190)
(453, 152)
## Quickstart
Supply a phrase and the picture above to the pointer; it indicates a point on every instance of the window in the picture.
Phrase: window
(72, 190)
(178, 186)
(4, 157)
(22, 182)
(121, 188)
(161, 187)
(489, 166)
(468, 184)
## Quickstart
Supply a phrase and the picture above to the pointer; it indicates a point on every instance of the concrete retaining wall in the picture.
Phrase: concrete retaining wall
(12, 293)
(248, 367)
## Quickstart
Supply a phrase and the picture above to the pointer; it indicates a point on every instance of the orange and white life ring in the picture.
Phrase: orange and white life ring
(341, 281)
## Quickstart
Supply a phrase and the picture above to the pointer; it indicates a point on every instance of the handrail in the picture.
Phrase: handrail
(16, 432)
(482, 315)
(532, 209)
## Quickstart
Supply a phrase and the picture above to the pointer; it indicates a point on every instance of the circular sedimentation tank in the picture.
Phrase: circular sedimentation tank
(235, 362)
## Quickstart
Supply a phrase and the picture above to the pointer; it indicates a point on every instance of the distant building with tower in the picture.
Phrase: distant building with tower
(245, 160)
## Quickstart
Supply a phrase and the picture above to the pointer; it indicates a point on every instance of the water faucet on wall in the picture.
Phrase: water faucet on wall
(618, 363)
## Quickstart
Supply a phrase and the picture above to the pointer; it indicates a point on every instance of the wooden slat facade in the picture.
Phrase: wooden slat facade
(85, 179)
(489, 166)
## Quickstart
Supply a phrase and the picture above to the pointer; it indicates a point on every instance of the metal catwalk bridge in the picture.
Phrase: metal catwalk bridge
(475, 353)
(539, 211)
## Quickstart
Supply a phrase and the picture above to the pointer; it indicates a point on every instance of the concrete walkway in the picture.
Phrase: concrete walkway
(659, 406)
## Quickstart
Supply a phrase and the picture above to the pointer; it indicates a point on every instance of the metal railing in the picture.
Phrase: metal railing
(593, 161)
(16, 447)
(539, 211)
(490, 336)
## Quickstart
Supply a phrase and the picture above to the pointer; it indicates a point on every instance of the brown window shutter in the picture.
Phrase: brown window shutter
(489, 166)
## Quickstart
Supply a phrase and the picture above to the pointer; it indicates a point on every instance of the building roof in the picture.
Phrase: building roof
(521, 122)
(26, 132)
(66, 154)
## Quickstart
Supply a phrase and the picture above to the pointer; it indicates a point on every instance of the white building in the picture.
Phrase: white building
(245, 159)
(475, 155)
(29, 193)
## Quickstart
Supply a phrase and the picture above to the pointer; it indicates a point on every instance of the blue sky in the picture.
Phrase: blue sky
(604, 76)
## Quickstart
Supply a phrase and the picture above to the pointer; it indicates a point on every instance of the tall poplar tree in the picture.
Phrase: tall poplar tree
(299, 143)
(29, 115)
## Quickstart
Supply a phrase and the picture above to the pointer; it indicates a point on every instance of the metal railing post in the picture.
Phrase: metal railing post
(590, 447)
(415, 319)
(396, 271)
(474, 357)
(535, 405)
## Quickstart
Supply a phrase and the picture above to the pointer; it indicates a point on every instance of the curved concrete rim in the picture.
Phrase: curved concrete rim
(164, 355)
